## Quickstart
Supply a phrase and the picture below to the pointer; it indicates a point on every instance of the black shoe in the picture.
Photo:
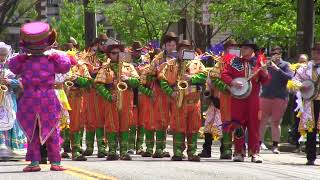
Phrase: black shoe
(204, 154)
(65, 155)
(176, 158)
(140, 151)
(126, 157)
(101, 155)
(112, 157)
(194, 158)
(166, 154)
(310, 163)
(146, 154)
(157, 154)
(79, 158)
(88, 152)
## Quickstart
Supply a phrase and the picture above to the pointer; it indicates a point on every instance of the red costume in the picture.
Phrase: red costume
(244, 112)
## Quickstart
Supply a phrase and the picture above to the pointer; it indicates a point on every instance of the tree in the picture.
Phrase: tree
(142, 20)
(268, 22)
(12, 10)
(70, 23)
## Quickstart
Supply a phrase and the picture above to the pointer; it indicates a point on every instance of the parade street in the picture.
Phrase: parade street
(283, 166)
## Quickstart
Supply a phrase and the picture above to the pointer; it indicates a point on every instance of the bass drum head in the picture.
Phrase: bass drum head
(310, 93)
(243, 91)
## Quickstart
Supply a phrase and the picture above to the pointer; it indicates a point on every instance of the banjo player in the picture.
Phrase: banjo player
(244, 110)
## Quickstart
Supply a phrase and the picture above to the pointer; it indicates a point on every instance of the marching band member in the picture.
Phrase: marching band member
(81, 78)
(11, 135)
(39, 108)
(244, 112)
(94, 113)
(187, 76)
(163, 105)
(137, 131)
(309, 109)
(114, 82)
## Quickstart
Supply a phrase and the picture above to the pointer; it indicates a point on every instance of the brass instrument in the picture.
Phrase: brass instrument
(121, 87)
(3, 87)
(182, 85)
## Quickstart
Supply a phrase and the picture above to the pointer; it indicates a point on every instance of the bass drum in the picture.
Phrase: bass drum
(244, 91)
(311, 93)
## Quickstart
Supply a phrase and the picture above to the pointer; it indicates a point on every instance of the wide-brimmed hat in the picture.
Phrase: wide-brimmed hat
(184, 43)
(316, 46)
(136, 46)
(170, 36)
(229, 43)
(37, 37)
(112, 44)
(249, 43)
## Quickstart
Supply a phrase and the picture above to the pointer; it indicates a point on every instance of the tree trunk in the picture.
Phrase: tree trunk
(90, 24)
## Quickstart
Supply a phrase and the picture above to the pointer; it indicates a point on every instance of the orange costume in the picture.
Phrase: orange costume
(161, 117)
(186, 113)
(93, 111)
(119, 110)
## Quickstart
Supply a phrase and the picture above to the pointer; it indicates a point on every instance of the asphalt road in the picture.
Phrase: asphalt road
(283, 166)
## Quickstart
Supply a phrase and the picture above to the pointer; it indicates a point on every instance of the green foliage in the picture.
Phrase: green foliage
(70, 23)
(137, 19)
(265, 20)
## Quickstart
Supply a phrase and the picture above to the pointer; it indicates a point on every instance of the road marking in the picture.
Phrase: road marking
(83, 174)
(87, 174)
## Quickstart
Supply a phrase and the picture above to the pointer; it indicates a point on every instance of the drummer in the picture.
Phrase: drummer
(244, 112)
(274, 97)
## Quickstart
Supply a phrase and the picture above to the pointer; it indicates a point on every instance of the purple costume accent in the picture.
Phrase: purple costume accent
(39, 108)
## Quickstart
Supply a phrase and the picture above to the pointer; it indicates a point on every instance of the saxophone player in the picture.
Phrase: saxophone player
(114, 82)
(162, 107)
(189, 75)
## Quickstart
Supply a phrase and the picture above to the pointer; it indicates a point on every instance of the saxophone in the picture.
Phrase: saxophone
(3, 87)
(121, 87)
(182, 85)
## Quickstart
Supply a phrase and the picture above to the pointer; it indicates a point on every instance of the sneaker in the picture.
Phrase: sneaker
(263, 147)
(256, 158)
(238, 158)
(275, 150)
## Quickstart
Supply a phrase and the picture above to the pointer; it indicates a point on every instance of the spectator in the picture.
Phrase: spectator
(274, 97)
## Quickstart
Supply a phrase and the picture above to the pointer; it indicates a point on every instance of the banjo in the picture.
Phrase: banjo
(312, 88)
(245, 90)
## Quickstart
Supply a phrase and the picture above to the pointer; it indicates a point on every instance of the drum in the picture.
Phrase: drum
(244, 91)
(311, 93)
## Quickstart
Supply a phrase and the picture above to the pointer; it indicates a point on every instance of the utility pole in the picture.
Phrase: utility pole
(90, 24)
(305, 26)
